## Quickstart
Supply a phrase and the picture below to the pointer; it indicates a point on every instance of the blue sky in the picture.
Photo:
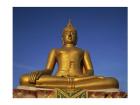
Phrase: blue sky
(101, 30)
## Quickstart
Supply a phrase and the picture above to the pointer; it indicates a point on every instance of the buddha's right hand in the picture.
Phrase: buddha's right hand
(35, 76)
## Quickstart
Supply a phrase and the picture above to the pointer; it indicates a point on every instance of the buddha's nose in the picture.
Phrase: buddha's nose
(70, 37)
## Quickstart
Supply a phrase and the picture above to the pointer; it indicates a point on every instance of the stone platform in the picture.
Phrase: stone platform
(30, 92)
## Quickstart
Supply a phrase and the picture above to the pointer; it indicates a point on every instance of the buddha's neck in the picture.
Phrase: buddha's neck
(68, 45)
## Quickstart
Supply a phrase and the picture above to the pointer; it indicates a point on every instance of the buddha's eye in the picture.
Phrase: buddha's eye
(66, 32)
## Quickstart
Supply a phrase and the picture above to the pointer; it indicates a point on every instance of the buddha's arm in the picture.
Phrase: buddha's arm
(87, 64)
(48, 68)
(51, 62)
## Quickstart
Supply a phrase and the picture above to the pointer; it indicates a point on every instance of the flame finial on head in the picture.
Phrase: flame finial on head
(69, 27)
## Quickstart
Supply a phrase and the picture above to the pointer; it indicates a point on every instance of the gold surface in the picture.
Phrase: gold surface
(75, 69)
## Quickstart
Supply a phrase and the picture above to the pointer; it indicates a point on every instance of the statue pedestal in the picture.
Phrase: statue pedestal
(32, 92)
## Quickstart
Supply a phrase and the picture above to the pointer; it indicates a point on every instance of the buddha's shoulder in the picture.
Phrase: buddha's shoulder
(65, 49)
(79, 49)
(56, 49)
(53, 50)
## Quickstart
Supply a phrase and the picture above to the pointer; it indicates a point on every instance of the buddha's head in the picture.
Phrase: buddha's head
(69, 35)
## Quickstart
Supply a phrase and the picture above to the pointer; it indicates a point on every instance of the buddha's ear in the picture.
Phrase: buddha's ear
(76, 40)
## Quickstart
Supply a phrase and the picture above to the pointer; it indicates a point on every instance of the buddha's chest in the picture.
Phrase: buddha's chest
(70, 55)
(69, 62)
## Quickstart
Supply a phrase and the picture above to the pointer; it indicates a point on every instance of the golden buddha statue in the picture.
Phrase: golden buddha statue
(75, 69)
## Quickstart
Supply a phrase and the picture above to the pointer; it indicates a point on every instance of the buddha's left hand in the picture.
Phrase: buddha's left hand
(36, 75)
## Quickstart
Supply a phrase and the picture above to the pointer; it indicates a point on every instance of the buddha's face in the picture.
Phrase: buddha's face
(69, 37)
